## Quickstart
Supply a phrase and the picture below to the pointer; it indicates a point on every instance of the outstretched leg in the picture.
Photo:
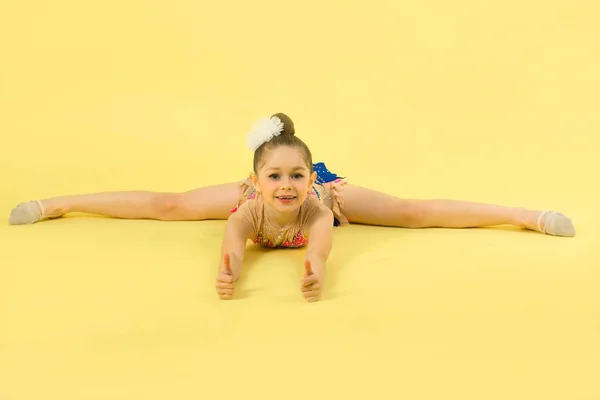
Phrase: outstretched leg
(210, 202)
(366, 206)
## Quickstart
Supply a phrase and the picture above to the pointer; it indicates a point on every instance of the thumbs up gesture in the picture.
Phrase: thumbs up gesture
(225, 280)
(310, 285)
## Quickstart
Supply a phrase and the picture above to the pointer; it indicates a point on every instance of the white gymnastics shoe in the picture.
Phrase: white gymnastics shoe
(29, 212)
(555, 224)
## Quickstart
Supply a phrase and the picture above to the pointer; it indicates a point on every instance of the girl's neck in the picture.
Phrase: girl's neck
(278, 219)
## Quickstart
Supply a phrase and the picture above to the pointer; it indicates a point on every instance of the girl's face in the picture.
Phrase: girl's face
(284, 179)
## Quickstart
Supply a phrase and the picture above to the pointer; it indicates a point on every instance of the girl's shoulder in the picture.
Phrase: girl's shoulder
(313, 211)
(248, 211)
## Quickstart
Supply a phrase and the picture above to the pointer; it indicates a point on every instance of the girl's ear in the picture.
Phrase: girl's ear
(254, 180)
(313, 178)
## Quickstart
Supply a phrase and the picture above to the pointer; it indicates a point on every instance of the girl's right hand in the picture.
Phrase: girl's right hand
(225, 280)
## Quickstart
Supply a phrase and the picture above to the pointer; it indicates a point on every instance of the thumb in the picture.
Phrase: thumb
(227, 264)
(307, 269)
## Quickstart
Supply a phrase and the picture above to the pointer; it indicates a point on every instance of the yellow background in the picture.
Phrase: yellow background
(493, 101)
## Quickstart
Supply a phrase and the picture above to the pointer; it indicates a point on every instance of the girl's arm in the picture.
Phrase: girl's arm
(320, 241)
(237, 232)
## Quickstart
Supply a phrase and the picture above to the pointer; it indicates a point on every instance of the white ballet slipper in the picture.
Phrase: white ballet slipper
(555, 224)
(27, 213)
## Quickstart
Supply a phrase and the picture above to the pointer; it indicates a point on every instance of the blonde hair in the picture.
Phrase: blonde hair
(286, 138)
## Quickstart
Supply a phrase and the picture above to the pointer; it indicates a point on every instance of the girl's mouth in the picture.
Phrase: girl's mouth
(285, 199)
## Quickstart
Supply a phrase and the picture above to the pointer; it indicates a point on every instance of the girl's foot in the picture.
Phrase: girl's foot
(554, 223)
(29, 213)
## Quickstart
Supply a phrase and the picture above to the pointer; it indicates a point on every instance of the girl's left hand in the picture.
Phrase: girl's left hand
(310, 285)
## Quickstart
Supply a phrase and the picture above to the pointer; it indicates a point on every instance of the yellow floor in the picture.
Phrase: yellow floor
(491, 101)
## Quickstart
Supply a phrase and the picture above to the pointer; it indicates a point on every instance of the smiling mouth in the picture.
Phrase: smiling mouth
(285, 197)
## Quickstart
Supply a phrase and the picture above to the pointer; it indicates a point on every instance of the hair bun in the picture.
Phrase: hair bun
(288, 124)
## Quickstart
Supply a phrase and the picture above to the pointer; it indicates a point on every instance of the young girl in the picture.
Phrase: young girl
(288, 202)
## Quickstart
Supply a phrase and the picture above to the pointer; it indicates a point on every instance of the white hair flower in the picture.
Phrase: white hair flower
(264, 130)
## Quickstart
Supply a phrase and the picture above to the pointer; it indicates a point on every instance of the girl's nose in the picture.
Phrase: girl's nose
(285, 184)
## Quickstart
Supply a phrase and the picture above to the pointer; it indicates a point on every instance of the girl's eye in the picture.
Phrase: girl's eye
(295, 176)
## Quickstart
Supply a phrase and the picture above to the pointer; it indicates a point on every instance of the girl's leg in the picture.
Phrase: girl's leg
(365, 206)
(211, 202)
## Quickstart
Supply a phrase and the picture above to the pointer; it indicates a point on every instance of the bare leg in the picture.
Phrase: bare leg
(211, 202)
(365, 206)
